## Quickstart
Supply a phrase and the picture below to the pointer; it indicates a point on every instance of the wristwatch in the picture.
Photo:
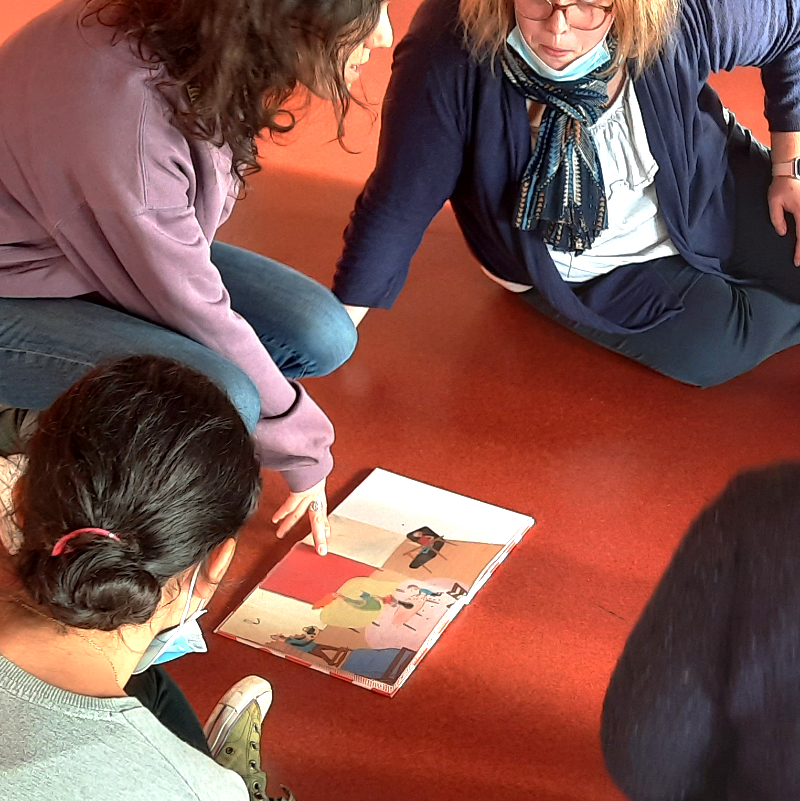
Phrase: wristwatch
(786, 169)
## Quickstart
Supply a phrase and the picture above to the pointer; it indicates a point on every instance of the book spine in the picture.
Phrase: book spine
(492, 566)
(370, 684)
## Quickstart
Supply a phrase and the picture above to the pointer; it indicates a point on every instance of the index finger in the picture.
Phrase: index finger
(320, 529)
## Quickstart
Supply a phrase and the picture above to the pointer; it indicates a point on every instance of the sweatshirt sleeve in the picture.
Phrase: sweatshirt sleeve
(423, 134)
(137, 234)
(166, 275)
(761, 33)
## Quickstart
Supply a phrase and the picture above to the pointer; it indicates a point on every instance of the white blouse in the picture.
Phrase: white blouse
(636, 230)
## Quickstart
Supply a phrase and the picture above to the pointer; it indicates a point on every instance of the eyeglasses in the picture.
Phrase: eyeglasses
(582, 14)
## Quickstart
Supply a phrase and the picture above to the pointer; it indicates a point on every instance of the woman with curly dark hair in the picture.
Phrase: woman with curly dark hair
(128, 127)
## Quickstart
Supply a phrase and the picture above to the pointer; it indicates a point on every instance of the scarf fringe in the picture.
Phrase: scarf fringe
(562, 193)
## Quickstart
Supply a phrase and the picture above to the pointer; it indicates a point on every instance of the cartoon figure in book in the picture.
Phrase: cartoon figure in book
(370, 602)
(429, 546)
(306, 642)
(424, 593)
(303, 642)
(357, 602)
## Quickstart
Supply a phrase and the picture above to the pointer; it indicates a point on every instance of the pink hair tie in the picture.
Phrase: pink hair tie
(61, 546)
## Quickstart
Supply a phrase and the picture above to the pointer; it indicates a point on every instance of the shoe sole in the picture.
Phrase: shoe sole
(231, 706)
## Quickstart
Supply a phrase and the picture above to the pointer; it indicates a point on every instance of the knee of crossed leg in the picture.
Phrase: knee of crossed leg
(330, 340)
(706, 368)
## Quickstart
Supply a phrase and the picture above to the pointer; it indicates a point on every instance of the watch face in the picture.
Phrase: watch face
(796, 168)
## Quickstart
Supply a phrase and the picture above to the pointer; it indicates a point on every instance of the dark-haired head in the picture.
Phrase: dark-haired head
(150, 451)
(239, 61)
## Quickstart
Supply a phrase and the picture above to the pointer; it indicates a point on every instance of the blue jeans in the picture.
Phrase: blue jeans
(46, 344)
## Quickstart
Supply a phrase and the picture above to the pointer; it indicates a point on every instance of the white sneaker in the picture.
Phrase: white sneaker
(231, 707)
(233, 733)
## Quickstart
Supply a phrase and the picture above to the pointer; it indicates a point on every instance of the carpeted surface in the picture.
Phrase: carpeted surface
(462, 386)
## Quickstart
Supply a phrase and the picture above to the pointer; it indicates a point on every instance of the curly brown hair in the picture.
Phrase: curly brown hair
(237, 62)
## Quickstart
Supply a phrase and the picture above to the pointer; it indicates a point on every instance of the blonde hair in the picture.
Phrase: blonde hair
(642, 27)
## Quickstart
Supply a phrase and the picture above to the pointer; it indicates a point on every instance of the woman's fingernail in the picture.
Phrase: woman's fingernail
(322, 550)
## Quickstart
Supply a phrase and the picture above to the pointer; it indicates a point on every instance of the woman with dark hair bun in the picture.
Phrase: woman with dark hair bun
(128, 127)
(127, 529)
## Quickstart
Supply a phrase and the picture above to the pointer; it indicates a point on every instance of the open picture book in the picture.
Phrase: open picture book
(404, 558)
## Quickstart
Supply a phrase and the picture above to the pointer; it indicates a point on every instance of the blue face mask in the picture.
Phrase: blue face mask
(580, 68)
(185, 638)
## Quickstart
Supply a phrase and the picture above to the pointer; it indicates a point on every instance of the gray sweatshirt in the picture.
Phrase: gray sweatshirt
(100, 192)
(56, 744)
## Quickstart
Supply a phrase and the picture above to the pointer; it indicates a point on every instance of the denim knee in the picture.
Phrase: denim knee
(241, 391)
(329, 340)
(338, 347)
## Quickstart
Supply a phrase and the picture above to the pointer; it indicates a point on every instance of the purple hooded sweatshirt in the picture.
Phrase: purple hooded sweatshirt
(100, 192)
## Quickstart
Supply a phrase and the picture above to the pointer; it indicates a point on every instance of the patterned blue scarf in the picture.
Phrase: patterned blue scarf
(562, 195)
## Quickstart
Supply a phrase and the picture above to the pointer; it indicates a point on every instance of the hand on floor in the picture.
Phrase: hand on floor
(783, 197)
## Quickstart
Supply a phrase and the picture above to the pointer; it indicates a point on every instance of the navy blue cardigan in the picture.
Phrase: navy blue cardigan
(704, 703)
(455, 129)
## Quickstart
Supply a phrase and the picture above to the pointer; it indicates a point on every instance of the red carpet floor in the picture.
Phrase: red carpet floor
(462, 386)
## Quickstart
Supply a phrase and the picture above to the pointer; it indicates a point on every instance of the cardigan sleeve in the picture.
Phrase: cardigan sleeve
(423, 134)
(704, 695)
(723, 34)
(661, 718)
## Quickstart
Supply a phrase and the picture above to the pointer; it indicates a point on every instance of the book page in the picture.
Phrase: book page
(403, 558)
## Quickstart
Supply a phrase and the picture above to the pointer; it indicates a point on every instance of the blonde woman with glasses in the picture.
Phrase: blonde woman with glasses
(594, 171)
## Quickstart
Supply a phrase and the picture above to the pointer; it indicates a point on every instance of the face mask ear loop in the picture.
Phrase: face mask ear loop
(189, 596)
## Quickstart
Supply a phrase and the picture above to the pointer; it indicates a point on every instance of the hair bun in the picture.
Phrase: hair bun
(96, 586)
(125, 450)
